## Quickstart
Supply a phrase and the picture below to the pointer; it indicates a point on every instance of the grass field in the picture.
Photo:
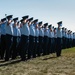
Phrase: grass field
(44, 65)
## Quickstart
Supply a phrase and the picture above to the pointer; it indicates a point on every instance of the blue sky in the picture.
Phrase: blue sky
(50, 11)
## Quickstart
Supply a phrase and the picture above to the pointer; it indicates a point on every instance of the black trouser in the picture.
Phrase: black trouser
(24, 44)
(55, 44)
(3, 45)
(8, 46)
(68, 42)
(40, 50)
(74, 42)
(0, 47)
(36, 51)
(18, 39)
(51, 43)
(31, 46)
(58, 51)
(47, 51)
(13, 48)
(45, 45)
(63, 43)
(18, 47)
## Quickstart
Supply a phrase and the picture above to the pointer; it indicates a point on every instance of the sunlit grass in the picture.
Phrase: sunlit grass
(64, 65)
(69, 50)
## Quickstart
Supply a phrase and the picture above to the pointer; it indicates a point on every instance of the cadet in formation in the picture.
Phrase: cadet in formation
(30, 38)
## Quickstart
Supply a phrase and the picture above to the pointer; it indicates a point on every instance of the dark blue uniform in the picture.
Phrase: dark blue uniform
(59, 39)
(9, 33)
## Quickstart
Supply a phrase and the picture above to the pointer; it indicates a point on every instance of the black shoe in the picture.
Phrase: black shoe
(13, 58)
(23, 59)
(58, 55)
(6, 59)
(29, 57)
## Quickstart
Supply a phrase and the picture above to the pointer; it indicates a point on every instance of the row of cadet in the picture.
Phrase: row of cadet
(29, 38)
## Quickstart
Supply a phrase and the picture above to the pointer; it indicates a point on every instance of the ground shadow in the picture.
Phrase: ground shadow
(3, 63)
(49, 58)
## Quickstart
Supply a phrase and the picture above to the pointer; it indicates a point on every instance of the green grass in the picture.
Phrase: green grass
(69, 50)
(64, 65)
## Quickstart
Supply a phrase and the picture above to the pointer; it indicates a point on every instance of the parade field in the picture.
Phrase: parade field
(44, 65)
